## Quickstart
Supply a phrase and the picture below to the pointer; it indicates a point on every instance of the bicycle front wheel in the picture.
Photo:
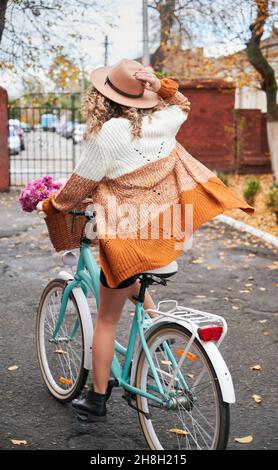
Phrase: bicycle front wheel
(198, 418)
(61, 358)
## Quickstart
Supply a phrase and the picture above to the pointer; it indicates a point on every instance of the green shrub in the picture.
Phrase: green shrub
(272, 200)
(252, 187)
(223, 177)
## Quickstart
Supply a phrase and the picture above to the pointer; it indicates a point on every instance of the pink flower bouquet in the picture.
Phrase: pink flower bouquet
(38, 190)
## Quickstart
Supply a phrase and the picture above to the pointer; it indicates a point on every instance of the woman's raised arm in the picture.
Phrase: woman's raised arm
(86, 175)
(169, 91)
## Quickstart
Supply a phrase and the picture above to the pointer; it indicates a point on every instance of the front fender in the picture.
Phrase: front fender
(218, 363)
(86, 318)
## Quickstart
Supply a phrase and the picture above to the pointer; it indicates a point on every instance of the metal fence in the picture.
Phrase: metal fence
(48, 142)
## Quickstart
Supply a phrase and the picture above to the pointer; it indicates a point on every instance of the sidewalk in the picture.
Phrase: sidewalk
(226, 272)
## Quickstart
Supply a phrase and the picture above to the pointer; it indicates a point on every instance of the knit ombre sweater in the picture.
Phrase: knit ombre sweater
(154, 171)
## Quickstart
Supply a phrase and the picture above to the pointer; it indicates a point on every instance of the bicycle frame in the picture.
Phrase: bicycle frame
(121, 373)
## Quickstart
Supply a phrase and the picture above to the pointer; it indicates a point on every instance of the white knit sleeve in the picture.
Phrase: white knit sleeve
(86, 175)
(93, 162)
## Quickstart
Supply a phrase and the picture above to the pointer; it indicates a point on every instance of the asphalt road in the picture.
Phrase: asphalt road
(226, 272)
(45, 153)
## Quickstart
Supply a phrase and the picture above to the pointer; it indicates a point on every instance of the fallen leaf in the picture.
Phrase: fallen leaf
(191, 376)
(197, 261)
(166, 363)
(12, 368)
(179, 431)
(262, 321)
(262, 288)
(234, 307)
(201, 296)
(65, 381)
(244, 440)
(256, 367)
(257, 398)
(60, 351)
(18, 442)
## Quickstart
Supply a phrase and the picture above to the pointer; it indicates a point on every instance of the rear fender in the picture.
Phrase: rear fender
(219, 365)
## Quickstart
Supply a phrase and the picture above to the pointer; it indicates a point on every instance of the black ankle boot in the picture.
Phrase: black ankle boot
(91, 407)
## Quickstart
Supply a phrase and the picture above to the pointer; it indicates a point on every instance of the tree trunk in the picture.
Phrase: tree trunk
(3, 7)
(166, 13)
(272, 137)
(269, 84)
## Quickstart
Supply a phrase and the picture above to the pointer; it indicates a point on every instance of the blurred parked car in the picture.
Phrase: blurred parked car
(25, 127)
(17, 125)
(78, 133)
(13, 141)
(49, 122)
(68, 129)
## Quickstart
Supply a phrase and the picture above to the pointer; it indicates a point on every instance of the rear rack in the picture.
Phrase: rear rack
(190, 316)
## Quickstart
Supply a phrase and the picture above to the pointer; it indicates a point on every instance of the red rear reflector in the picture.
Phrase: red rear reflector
(210, 333)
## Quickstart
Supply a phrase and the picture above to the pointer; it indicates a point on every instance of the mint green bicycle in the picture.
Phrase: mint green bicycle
(171, 372)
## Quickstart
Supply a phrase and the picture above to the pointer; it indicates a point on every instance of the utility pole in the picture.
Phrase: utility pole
(105, 50)
(146, 52)
(82, 74)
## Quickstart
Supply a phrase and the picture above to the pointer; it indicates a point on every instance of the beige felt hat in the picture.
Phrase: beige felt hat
(118, 83)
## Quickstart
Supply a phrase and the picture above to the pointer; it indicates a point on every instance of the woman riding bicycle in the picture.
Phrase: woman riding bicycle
(132, 161)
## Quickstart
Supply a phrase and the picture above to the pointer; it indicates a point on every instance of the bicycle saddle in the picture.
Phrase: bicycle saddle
(164, 271)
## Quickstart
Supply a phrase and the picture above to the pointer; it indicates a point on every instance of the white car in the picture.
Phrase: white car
(13, 141)
(78, 132)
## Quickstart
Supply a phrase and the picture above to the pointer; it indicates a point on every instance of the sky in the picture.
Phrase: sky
(124, 40)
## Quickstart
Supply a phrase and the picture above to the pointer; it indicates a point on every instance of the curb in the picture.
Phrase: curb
(242, 226)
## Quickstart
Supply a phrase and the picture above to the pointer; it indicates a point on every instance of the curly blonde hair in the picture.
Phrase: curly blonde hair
(97, 109)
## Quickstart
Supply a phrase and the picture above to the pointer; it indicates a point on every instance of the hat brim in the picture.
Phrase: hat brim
(98, 77)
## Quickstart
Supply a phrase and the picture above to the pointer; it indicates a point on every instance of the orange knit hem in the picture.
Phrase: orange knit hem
(121, 259)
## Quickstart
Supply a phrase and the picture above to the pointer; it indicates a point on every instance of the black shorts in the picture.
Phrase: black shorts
(126, 283)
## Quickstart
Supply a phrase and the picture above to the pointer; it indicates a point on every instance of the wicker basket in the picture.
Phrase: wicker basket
(65, 230)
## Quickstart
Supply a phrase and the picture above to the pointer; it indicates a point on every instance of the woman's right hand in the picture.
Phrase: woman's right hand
(148, 78)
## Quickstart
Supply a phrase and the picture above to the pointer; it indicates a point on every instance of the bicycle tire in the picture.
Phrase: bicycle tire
(223, 411)
(75, 390)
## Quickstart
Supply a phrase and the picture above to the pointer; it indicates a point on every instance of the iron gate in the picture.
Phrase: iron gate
(45, 136)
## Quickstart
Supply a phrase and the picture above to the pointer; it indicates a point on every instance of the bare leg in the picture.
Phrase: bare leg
(111, 304)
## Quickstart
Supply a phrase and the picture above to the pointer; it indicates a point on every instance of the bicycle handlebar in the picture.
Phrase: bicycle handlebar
(89, 214)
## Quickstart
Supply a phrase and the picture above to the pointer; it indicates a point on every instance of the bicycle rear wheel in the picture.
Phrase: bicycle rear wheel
(60, 360)
(199, 419)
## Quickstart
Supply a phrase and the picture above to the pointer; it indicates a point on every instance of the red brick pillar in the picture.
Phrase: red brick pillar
(209, 132)
(4, 152)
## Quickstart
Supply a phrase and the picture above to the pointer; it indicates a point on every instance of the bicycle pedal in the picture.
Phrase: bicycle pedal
(86, 418)
(82, 418)
(128, 395)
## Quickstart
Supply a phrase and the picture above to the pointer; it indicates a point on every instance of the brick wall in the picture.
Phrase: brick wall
(219, 136)
(252, 146)
(4, 154)
(209, 132)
